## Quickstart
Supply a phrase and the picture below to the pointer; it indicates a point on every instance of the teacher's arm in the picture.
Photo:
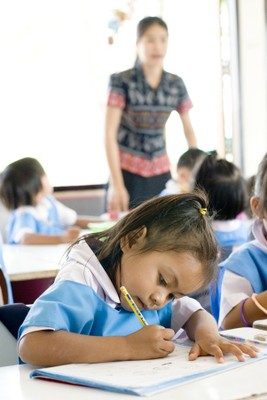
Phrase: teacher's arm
(118, 198)
(188, 130)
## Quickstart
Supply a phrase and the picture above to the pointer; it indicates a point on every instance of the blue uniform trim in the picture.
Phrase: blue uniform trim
(250, 262)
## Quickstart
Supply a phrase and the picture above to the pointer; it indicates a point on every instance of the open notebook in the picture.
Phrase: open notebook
(144, 377)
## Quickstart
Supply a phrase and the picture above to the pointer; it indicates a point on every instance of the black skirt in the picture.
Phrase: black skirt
(141, 188)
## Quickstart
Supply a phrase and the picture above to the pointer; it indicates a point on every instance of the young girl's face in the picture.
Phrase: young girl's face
(46, 189)
(154, 278)
(152, 46)
(184, 178)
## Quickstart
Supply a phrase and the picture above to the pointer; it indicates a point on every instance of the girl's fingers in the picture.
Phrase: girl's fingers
(194, 352)
(212, 350)
(168, 333)
(216, 350)
(239, 349)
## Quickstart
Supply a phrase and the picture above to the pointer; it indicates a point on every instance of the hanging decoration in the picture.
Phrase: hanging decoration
(119, 15)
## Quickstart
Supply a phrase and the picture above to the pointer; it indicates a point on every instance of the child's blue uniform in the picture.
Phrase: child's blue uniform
(234, 237)
(229, 236)
(75, 307)
(250, 262)
(84, 300)
(48, 218)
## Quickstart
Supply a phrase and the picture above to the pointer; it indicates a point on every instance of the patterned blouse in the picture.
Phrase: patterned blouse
(145, 112)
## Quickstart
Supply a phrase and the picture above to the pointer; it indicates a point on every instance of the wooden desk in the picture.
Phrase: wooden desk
(25, 262)
(244, 382)
(32, 268)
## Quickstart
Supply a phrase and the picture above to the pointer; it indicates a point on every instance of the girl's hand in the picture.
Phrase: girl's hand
(152, 341)
(71, 234)
(217, 346)
(118, 199)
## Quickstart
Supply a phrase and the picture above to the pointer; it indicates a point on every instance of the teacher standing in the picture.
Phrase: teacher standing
(140, 101)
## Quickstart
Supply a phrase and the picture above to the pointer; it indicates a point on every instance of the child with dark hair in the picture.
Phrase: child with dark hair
(241, 294)
(227, 192)
(160, 251)
(187, 162)
(36, 216)
(226, 189)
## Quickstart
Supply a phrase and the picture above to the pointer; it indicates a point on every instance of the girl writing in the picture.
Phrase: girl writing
(161, 251)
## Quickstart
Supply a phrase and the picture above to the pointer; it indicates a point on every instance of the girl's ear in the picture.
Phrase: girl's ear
(133, 239)
(254, 204)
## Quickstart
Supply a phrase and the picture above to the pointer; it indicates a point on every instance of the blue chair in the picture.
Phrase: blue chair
(11, 317)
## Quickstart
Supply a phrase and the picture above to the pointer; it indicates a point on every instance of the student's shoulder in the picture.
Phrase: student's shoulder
(249, 253)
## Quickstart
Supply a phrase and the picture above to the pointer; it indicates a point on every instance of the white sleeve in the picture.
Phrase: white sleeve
(31, 329)
(235, 288)
(182, 309)
(67, 215)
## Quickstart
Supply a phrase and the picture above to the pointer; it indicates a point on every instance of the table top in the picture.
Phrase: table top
(25, 262)
(248, 381)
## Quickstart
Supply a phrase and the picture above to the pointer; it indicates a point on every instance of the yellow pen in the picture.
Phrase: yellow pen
(133, 306)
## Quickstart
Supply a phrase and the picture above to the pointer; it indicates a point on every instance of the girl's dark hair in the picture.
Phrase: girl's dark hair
(260, 188)
(224, 185)
(146, 23)
(20, 182)
(173, 222)
(190, 158)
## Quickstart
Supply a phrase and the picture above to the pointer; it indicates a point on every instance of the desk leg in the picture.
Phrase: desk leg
(27, 291)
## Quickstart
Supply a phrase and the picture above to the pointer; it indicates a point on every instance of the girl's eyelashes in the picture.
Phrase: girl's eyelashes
(165, 284)
(162, 281)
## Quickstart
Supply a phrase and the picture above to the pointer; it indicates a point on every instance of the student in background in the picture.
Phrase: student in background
(36, 216)
(227, 193)
(160, 251)
(241, 294)
(140, 101)
(185, 165)
(226, 190)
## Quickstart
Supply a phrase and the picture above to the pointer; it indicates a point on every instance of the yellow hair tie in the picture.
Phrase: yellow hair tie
(203, 211)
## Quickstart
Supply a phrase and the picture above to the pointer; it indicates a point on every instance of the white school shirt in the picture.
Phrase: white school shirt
(82, 266)
(236, 288)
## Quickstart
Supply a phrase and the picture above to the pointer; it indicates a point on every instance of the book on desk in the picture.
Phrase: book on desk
(253, 336)
(144, 377)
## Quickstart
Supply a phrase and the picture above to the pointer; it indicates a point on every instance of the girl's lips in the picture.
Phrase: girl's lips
(141, 305)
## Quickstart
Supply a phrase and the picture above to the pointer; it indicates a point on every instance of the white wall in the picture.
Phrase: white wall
(253, 82)
(194, 54)
(52, 57)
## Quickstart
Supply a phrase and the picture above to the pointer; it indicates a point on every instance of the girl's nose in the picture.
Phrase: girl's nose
(159, 298)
